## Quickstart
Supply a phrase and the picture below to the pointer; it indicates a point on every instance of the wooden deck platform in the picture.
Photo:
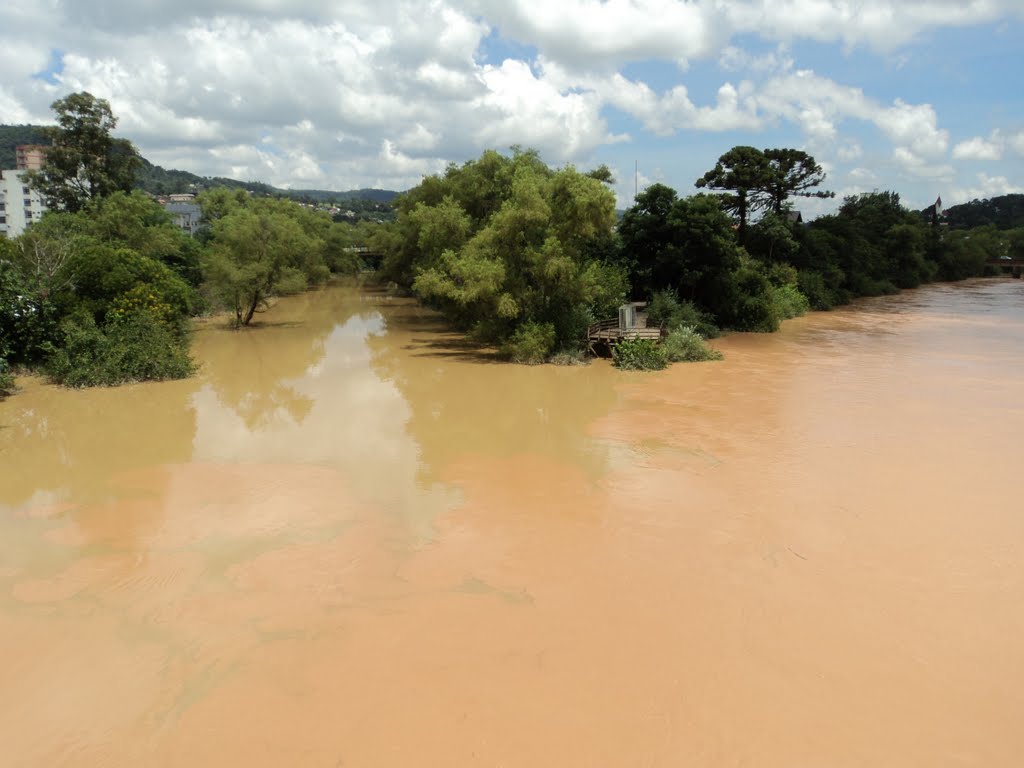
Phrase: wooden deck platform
(609, 333)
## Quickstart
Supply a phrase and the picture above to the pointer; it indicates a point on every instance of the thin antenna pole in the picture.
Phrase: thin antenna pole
(636, 179)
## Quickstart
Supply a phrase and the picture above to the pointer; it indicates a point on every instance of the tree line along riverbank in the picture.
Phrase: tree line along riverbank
(515, 253)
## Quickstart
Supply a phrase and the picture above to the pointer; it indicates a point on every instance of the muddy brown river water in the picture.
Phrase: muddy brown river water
(352, 541)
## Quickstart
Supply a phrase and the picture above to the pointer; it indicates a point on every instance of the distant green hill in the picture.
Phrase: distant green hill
(1005, 212)
(161, 181)
(12, 136)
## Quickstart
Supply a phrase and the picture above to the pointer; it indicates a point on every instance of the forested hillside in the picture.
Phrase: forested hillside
(12, 136)
(161, 181)
(1004, 212)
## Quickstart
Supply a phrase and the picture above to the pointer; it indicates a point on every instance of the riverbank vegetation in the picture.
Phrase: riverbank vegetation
(519, 255)
(524, 257)
(105, 295)
(515, 253)
(101, 290)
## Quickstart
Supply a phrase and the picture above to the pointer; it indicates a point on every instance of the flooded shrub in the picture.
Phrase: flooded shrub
(684, 344)
(667, 311)
(6, 378)
(135, 348)
(812, 285)
(663, 308)
(866, 286)
(789, 302)
(530, 344)
(570, 357)
(750, 305)
(756, 314)
(639, 355)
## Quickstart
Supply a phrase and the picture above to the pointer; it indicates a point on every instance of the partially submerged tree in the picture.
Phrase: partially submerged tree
(84, 162)
(256, 253)
(511, 249)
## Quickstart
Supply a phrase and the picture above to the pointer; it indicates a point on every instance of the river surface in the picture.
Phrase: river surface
(351, 540)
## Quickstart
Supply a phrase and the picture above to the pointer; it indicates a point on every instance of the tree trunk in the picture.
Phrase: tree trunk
(742, 210)
(253, 303)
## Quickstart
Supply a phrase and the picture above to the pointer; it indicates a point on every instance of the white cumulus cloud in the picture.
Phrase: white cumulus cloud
(344, 95)
(978, 148)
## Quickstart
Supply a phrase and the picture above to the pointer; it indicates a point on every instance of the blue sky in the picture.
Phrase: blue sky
(921, 96)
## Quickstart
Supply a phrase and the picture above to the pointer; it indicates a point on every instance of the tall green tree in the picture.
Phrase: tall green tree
(509, 247)
(772, 239)
(756, 180)
(651, 246)
(255, 255)
(791, 173)
(742, 173)
(85, 161)
(685, 245)
(709, 253)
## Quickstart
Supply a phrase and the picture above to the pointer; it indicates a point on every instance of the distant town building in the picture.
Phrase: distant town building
(188, 217)
(29, 157)
(934, 213)
(795, 217)
(19, 205)
(182, 197)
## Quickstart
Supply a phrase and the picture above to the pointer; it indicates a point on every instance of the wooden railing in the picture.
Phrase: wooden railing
(604, 325)
(609, 331)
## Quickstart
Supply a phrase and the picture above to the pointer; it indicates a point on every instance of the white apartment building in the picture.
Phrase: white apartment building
(19, 206)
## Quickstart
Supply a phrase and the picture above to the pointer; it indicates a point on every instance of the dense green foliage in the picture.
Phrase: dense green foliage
(668, 312)
(6, 378)
(872, 245)
(524, 256)
(100, 290)
(259, 248)
(740, 173)
(11, 313)
(753, 180)
(1002, 212)
(84, 162)
(137, 346)
(531, 343)
(510, 249)
(640, 355)
(688, 247)
(102, 295)
(684, 344)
